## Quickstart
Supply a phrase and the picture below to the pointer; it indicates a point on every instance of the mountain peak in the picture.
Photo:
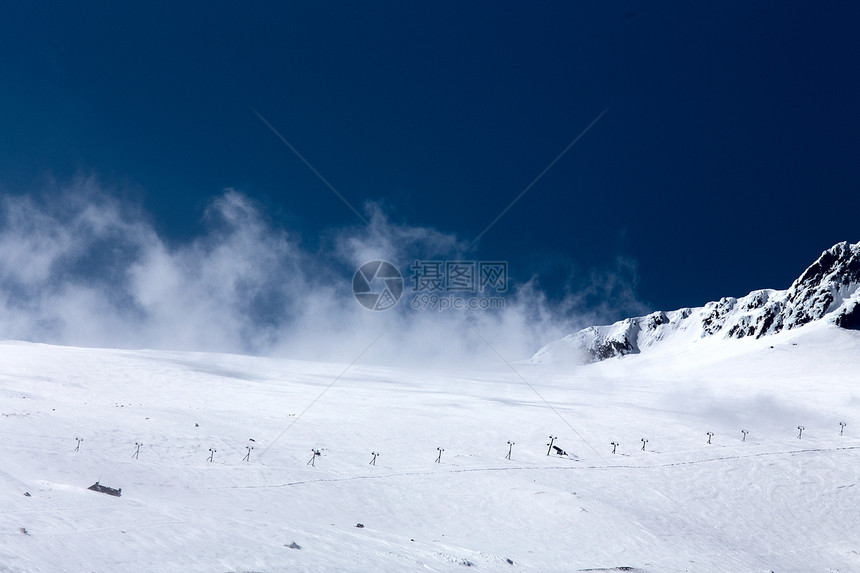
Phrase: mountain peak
(828, 289)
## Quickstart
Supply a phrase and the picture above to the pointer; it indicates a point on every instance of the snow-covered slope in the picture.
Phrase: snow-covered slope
(828, 290)
(771, 502)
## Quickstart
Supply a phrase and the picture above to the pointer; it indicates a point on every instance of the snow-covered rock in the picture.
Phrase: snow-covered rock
(828, 290)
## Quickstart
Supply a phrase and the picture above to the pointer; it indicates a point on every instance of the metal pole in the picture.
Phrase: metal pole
(552, 439)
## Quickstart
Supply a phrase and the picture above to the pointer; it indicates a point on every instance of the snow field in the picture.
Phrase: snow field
(771, 503)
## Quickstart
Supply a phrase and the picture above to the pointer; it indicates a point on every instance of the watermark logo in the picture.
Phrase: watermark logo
(377, 285)
(438, 285)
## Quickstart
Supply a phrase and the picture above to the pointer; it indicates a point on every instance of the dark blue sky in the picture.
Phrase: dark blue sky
(728, 159)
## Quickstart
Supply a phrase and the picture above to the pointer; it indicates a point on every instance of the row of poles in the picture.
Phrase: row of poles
(315, 453)
(711, 435)
(138, 445)
(551, 445)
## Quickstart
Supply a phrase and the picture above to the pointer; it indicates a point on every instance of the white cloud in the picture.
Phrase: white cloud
(79, 266)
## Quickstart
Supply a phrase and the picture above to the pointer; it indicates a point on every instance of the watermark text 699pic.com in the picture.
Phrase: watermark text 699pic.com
(435, 284)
